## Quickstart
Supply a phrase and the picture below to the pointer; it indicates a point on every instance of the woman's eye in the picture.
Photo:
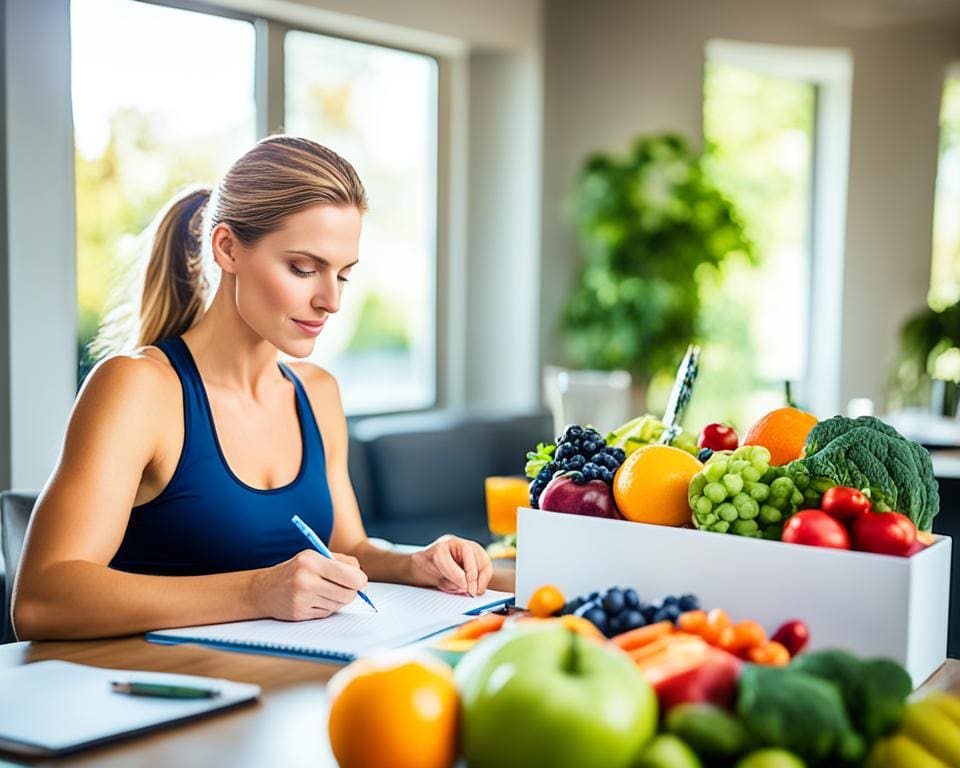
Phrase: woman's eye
(300, 272)
(343, 278)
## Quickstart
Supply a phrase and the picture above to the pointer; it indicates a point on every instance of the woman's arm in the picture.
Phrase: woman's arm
(450, 563)
(64, 587)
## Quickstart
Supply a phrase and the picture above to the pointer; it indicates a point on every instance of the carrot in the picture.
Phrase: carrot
(641, 636)
(667, 645)
(771, 654)
(480, 626)
(692, 622)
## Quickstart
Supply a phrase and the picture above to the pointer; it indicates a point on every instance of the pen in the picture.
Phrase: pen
(160, 690)
(307, 531)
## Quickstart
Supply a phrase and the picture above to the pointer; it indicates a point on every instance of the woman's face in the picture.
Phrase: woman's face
(291, 280)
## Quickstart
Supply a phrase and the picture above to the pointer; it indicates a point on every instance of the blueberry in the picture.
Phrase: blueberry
(613, 601)
(617, 453)
(564, 451)
(630, 598)
(597, 617)
(689, 603)
(607, 476)
(586, 605)
(588, 447)
(600, 459)
(577, 462)
(579, 478)
(672, 612)
(704, 454)
(649, 611)
(570, 434)
(546, 472)
(591, 471)
(614, 625)
(593, 596)
(632, 620)
(662, 615)
(573, 605)
(669, 600)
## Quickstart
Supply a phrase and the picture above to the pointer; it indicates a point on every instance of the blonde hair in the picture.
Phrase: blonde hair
(277, 177)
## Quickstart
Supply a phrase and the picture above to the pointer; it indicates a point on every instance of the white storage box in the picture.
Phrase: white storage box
(873, 605)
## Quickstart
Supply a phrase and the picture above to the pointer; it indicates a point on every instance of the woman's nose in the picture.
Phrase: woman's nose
(328, 295)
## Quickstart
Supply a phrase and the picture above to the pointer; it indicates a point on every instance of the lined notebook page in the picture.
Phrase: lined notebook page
(400, 598)
(405, 614)
(342, 635)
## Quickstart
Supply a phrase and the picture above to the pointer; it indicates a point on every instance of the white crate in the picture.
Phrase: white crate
(873, 605)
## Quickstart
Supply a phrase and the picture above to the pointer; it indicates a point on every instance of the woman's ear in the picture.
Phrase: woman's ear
(224, 246)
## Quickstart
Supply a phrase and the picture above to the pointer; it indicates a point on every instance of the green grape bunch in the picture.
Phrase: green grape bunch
(739, 492)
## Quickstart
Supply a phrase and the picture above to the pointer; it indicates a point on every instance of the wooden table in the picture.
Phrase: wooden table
(286, 727)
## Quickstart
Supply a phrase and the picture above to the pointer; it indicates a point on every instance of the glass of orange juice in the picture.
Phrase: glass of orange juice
(504, 495)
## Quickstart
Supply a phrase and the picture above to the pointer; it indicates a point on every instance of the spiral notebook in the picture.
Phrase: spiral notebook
(406, 614)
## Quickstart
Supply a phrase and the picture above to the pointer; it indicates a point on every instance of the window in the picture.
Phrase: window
(759, 130)
(945, 270)
(377, 107)
(151, 118)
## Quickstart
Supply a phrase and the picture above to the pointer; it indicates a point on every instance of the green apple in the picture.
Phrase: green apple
(668, 751)
(543, 695)
(771, 758)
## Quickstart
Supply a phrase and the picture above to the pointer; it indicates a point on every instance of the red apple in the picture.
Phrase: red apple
(592, 499)
(718, 437)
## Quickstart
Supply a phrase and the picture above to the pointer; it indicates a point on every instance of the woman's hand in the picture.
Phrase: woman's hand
(307, 586)
(453, 565)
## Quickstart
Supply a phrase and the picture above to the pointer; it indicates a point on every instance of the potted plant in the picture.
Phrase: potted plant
(928, 369)
(647, 222)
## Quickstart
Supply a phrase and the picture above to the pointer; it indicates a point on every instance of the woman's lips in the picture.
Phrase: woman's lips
(311, 328)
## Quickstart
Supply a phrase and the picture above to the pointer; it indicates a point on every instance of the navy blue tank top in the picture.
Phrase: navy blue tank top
(207, 520)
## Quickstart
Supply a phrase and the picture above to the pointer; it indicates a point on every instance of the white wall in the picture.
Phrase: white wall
(41, 269)
(620, 68)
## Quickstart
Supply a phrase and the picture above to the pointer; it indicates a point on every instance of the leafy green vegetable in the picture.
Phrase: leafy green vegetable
(869, 454)
(783, 707)
(538, 459)
(874, 690)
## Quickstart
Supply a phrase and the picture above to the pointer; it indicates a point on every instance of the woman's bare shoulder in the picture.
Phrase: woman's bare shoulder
(315, 378)
(144, 371)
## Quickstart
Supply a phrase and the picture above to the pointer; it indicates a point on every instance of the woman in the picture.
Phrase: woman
(184, 461)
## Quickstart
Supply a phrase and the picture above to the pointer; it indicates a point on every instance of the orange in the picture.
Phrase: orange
(396, 710)
(651, 485)
(783, 432)
(546, 601)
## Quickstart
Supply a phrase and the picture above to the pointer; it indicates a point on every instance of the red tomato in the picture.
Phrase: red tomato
(845, 504)
(792, 635)
(816, 529)
(886, 533)
(718, 437)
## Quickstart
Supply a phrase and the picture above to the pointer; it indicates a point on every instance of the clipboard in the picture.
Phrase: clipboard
(51, 708)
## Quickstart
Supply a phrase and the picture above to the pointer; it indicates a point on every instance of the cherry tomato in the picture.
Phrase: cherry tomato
(718, 437)
(792, 635)
(817, 529)
(886, 533)
(845, 504)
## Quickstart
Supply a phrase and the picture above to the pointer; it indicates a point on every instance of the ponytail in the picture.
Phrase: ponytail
(173, 287)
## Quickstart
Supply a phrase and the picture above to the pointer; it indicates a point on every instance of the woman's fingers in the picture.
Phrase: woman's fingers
(468, 560)
(450, 569)
(486, 570)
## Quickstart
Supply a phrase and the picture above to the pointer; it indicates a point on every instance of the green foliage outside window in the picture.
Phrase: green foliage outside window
(649, 223)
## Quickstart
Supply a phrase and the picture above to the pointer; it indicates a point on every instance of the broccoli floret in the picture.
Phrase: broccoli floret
(874, 691)
(869, 454)
(783, 707)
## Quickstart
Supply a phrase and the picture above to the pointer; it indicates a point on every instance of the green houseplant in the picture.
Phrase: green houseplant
(929, 344)
(647, 222)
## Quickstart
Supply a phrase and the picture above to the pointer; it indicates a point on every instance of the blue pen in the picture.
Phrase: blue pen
(307, 531)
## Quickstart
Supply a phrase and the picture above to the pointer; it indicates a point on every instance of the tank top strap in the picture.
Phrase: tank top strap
(313, 440)
(195, 414)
